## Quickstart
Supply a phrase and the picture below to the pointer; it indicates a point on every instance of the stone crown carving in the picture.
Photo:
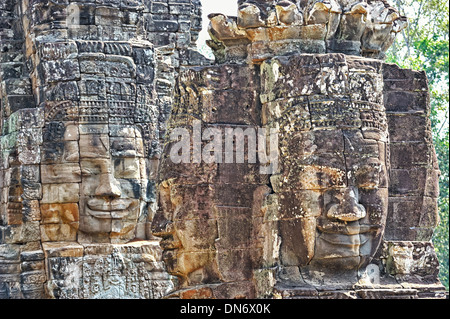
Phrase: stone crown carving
(261, 28)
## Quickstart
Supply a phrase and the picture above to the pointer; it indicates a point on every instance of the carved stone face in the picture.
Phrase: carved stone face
(94, 182)
(333, 200)
(112, 168)
(187, 225)
(354, 210)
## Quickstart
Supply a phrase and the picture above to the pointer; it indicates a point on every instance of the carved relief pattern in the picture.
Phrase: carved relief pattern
(93, 206)
(124, 273)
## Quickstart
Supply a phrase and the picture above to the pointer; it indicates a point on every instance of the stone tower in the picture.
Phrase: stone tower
(86, 91)
(347, 206)
(296, 165)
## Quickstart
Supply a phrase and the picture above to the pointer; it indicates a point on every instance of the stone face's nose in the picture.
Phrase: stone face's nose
(108, 186)
(161, 226)
(348, 209)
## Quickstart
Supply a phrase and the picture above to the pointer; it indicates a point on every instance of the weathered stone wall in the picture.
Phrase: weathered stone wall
(210, 213)
(21, 276)
(330, 220)
(83, 82)
(134, 167)
(414, 188)
(263, 29)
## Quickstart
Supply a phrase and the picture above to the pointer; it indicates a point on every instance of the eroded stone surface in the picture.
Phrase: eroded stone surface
(99, 201)
(87, 88)
(266, 28)
(317, 226)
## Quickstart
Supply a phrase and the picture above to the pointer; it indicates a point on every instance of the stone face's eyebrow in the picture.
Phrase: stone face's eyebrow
(95, 166)
(94, 146)
(124, 147)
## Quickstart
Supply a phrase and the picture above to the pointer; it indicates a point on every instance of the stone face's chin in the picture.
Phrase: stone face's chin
(170, 254)
(170, 259)
(339, 246)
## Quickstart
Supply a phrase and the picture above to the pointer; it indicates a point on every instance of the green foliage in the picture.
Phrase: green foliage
(441, 235)
(424, 45)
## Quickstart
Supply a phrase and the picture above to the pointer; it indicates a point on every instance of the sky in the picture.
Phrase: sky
(227, 7)
(219, 6)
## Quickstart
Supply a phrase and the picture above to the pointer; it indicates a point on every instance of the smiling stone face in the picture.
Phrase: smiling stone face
(332, 185)
(99, 195)
(332, 198)
(83, 125)
(112, 168)
(354, 211)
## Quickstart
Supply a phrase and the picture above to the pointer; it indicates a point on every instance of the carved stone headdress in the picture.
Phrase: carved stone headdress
(263, 28)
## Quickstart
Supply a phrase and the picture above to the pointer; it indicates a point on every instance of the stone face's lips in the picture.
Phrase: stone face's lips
(344, 239)
(353, 228)
(170, 259)
(116, 208)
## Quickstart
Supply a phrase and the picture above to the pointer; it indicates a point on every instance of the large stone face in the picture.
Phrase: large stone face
(321, 222)
(86, 92)
(298, 165)
(208, 215)
(332, 185)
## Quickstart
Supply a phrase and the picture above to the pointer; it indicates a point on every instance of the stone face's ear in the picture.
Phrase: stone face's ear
(414, 172)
